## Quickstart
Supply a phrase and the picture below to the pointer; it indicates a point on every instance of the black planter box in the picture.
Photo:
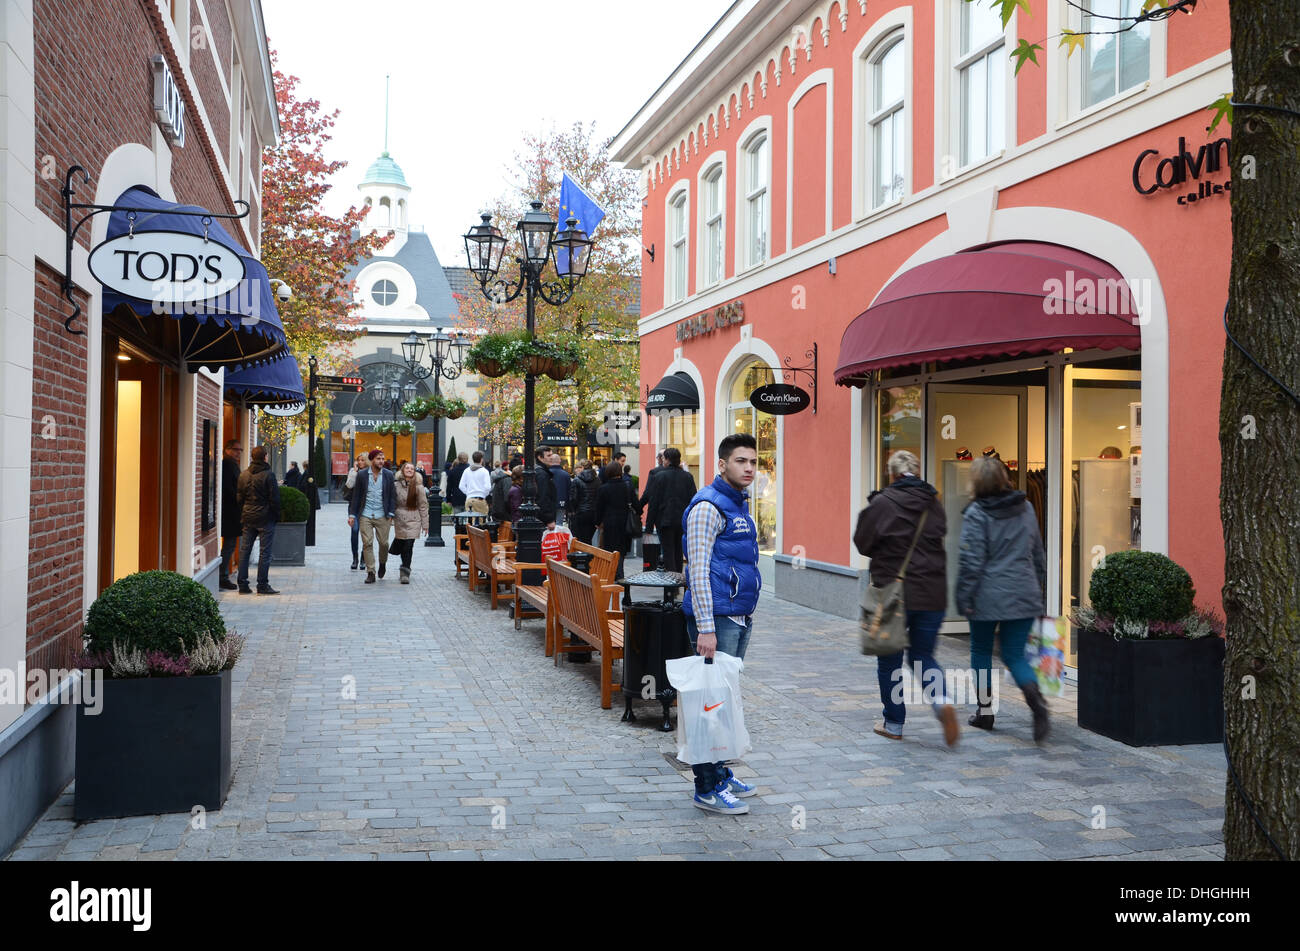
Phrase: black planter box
(158, 744)
(1152, 692)
(289, 547)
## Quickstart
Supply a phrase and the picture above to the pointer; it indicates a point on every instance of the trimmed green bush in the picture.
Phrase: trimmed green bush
(153, 611)
(1141, 586)
(293, 505)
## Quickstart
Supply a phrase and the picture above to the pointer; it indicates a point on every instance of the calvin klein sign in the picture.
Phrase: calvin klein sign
(166, 266)
(780, 399)
(1174, 171)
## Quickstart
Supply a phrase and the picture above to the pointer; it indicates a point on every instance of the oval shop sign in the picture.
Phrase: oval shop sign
(166, 266)
(780, 399)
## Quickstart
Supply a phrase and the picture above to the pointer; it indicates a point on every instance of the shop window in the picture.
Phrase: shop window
(900, 415)
(678, 215)
(742, 417)
(1112, 61)
(887, 114)
(756, 207)
(681, 431)
(981, 82)
(713, 238)
(384, 292)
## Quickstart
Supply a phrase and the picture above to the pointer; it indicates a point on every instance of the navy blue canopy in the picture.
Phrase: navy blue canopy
(241, 327)
(277, 383)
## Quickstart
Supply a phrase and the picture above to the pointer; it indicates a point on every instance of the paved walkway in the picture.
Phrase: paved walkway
(465, 742)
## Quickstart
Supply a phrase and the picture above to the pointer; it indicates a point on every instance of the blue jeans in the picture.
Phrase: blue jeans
(1013, 636)
(922, 631)
(265, 536)
(733, 639)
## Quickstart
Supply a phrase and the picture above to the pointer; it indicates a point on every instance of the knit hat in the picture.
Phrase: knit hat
(375, 452)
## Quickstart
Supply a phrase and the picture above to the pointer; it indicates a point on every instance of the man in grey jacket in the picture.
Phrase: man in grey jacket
(374, 506)
(258, 495)
(1001, 582)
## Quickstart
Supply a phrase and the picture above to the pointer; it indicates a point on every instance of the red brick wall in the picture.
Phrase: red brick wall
(209, 407)
(203, 65)
(222, 34)
(61, 479)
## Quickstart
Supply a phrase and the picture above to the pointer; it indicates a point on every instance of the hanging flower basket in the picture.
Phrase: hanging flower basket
(562, 371)
(402, 428)
(455, 408)
(493, 368)
(417, 408)
(493, 355)
(538, 364)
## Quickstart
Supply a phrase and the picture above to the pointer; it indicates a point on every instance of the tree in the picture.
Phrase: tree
(308, 249)
(1259, 422)
(604, 309)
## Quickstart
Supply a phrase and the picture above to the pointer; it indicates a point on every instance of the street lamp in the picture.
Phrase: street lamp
(391, 396)
(485, 245)
(446, 358)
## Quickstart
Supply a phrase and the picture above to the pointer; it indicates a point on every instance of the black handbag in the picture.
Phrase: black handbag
(634, 527)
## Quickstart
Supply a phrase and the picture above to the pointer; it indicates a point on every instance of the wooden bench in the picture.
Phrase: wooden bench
(603, 563)
(489, 559)
(582, 608)
(461, 559)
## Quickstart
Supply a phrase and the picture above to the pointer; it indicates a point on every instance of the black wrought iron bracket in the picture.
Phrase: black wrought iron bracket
(791, 373)
(70, 231)
(503, 291)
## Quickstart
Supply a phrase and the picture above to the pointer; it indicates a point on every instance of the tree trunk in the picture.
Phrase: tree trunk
(1259, 436)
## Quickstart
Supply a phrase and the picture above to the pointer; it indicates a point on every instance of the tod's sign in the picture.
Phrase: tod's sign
(166, 266)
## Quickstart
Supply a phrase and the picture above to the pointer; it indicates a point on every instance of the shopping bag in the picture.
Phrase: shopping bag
(555, 544)
(711, 716)
(1045, 651)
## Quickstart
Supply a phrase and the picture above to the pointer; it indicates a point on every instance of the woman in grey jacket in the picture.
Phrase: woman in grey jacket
(1001, 581)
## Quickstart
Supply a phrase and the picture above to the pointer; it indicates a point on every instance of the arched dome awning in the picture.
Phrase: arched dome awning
(278, 383)
(674, 392)
(1020, 297)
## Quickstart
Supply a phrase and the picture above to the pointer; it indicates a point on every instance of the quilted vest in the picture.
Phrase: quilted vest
(733, 567)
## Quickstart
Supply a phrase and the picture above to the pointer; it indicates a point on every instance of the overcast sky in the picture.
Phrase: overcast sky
(462, 96)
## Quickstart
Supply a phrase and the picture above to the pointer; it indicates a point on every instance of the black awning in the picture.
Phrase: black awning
(675, 392)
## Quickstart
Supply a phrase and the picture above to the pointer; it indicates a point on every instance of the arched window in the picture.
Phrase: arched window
(678, 215)
(757, 167)
(742, 417)
(885, 120)
(713, 240)
(401, 213)
(385, 212)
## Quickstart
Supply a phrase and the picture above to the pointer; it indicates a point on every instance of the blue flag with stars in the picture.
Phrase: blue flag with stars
(576, 203)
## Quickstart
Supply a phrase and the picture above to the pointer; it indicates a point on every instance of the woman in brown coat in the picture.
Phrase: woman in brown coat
(412, 519)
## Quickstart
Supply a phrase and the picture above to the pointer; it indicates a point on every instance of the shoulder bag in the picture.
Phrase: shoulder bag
(883, 619)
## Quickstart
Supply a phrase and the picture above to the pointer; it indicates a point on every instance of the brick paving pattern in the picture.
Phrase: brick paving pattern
(465, 742)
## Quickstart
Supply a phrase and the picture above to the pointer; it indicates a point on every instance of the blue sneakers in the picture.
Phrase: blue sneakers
(721, 801)
(737, 788)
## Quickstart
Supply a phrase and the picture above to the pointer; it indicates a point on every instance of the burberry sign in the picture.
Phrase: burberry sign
(711, 320)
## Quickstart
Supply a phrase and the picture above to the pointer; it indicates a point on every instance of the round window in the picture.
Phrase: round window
(384, 292)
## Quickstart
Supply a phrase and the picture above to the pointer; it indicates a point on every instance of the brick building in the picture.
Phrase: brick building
(872, 183)
(112, 418)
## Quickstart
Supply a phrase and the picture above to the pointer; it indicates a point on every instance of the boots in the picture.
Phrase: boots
(406, 574)
(981, 720)
(1038, 705)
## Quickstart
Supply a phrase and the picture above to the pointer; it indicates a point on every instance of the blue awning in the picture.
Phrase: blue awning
(277, 383)
(241, 327)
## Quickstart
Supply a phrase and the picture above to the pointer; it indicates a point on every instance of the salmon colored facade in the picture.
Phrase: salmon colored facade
(799, 89)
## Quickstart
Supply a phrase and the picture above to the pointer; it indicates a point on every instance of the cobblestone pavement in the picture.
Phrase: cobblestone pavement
(465, 742)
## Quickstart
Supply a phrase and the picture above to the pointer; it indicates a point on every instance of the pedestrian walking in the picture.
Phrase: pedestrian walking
(373, 506)
(547, 499)
(515, 495)
(582, 502)
(722, 591)
(293, 478)
(258, 495)
(1001, 585)
(649, 480)
(562, 481)
(476, 485)
(454, 495)
(615, 505)
(359, 465)
(888, 528)
(412, 516)
(231, 527)
(499, 497)
(670, 491)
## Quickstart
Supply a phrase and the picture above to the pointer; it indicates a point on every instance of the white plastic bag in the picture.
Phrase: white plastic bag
(710, 714)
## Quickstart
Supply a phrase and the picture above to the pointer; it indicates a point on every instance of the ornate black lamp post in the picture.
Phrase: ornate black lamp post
(391, 396)
(485, 246)
(446, 357)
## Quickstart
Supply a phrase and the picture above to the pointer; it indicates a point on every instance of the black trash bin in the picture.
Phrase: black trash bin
(654, 632)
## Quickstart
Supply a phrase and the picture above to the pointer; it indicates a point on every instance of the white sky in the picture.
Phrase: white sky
(461, 98)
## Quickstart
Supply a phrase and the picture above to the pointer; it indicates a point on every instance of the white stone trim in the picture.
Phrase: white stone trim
(763, 124)
(824, 77)
(746, 350)
(711, 162)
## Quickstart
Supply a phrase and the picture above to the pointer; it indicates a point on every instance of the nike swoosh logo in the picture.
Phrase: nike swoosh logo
(707, 708)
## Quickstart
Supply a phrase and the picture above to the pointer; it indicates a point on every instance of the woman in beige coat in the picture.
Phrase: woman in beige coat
(412, 519)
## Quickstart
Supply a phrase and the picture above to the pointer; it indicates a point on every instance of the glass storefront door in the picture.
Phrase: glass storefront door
(742, 417)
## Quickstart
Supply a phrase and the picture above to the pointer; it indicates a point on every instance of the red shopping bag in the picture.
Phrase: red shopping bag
(555, 544)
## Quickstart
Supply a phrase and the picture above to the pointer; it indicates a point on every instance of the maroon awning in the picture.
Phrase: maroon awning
(1021, 297)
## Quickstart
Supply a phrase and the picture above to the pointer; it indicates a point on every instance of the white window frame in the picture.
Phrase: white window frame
(1073, 72)
(677, 265)
(868, 47)
(714, 165)
(761, 127)
(998, 51)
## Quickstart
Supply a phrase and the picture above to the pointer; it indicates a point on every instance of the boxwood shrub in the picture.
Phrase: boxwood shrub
(153, 610)
(293, 505)
(1141, 586)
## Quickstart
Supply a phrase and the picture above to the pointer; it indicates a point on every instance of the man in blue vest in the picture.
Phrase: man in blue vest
(722, 590)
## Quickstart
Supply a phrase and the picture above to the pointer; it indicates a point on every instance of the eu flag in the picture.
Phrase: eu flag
(576, 203)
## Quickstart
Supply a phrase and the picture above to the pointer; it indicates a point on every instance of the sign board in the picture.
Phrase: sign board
(424, 460)
(780, 399)
(323, 378)
(1182, 169)
(340, 387)
(339, 463)
(709, 321)
(168, 106)
(167, 266)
